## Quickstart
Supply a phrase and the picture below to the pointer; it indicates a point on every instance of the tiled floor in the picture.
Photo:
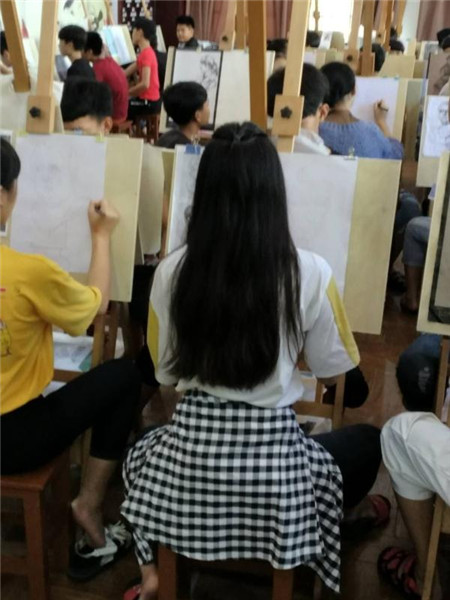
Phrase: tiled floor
(359, 576)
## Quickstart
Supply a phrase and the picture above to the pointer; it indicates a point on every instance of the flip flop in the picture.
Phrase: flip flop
(359, 528)
(133, 593)
(397, 566)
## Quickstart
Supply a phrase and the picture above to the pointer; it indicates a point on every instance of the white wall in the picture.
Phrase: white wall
(410, 20)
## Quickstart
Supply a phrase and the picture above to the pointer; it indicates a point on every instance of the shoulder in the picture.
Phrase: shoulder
(37, 267)
(168, 265)
(147, 56)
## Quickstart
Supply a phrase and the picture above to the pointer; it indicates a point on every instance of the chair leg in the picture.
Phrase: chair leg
(167, 574)
(38, 581)
(283, 584)
(432, 549)
(318, 588)
(61, 492)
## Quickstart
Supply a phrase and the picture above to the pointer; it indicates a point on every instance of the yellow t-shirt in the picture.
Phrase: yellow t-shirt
(35, 293)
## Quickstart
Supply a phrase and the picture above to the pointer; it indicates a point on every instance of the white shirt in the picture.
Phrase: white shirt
(310, 142)
(329, 347)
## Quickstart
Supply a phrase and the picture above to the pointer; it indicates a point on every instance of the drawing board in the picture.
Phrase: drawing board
(50, 217)
(117, 39)
(434, 139)
(438, 72)
(414, 105)
(151, 199)
(234, 75)
(397, 65)
(325, 40)
(434, 310)
(427, 49)
(392, 91)
(365, 189)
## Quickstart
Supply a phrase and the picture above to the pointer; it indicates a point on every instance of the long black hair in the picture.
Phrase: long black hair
(9, 165)
(237, 289)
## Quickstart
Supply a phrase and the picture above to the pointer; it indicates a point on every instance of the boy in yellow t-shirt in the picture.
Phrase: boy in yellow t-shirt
(35, 294)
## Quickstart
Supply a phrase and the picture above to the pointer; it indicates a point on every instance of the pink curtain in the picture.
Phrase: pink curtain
(209, 17)
(433, 16)
(278, 18)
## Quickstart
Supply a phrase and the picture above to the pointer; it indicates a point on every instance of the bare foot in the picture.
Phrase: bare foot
(91, 521)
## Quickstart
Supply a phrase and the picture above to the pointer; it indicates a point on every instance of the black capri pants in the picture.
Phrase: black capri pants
(105, 398)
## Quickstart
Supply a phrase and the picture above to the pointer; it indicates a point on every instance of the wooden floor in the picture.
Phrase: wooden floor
(360, 581)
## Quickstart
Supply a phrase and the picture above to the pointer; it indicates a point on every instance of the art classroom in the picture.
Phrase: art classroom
(225, 299)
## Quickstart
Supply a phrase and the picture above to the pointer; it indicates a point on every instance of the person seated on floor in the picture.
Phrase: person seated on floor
(345, 134)
(106, 69)
(36, 294)
(145, 95)
(72, 40)
(186, 33)
(240, 268)
(5, 62)
(186, 104)
(87, 106)
(279, 46)
(314, 88)
(414, 253)
(416, 452)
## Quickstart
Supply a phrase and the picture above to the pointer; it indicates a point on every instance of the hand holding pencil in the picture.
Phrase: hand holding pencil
(380, 111)
(103, 217)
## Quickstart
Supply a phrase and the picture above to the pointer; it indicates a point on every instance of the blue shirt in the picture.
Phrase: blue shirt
(361, 138)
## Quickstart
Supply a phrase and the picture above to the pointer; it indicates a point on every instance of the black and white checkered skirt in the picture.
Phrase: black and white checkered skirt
(228, 480)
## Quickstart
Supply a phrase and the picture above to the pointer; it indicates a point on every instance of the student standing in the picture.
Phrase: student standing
(36, 294)
(234, 476)
(144, 95)
(72, 40)
(186, 33)
(106, 69)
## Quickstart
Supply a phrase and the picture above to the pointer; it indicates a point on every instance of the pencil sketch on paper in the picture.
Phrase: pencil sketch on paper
(438, 72)
(320, 221)
(436, 127)
(203, 68)
(96, 14)
(71, 12)
(50, 217)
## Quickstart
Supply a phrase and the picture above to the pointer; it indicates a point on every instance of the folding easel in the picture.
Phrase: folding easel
(227, 39)
(241, 25)
(316, 15)
(352, 53)
(368, 57)
(15, 45)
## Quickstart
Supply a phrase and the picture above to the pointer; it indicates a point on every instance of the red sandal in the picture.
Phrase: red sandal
(359, 528)
(398, 567)
(133, 593)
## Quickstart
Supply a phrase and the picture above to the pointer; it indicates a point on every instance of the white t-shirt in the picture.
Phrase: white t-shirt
(309, 142)
(329, 347)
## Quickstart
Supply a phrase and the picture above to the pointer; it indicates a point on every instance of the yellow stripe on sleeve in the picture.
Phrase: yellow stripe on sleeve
(340, 317)
(153, 335)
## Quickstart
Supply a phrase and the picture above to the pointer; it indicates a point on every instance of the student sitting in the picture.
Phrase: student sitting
(414, 253)
(345, 134)
(144, 96)
(36, 294)
(185, 33)
(396, 47)
(416, 452)
(314, 88)
(279, 46)
(72, 40)
(312, 39)
(5, 63)
(87, 106)
(186, 103)
(106, 69)
(234, 452)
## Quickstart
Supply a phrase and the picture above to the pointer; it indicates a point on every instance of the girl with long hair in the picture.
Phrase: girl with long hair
(234, 476)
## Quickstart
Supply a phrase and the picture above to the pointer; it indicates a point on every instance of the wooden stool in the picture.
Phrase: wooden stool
(30, 488)
(283, 581)
(149, 131)
(125, 127)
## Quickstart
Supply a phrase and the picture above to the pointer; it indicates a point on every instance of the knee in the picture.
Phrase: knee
(369, 441)
(126, 374)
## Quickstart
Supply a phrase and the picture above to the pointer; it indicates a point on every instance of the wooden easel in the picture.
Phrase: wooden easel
(241, 25)
(257, 63)
(227, 39)
(352, 53)
(400, 7)
(145, 9)
(368, 58)
(316, 15)
(15, 45)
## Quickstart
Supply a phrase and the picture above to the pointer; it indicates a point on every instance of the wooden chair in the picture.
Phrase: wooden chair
(441, 518)
(317, 408)
(283, 581)
(31, 488)
(125, 127)
(146, 127)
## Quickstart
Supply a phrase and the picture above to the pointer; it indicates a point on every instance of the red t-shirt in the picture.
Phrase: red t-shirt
(147, 58)
(107, 70)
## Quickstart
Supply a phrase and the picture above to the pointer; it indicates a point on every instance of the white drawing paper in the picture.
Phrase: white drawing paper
(320, 192)
(370, 90)
(436, 127)
(310, 57)
(116, 38)
(325, 40)
(202, 67)
(60, 175)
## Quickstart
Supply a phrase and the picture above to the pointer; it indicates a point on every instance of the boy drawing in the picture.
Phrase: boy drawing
(86, 106)
(72, 40)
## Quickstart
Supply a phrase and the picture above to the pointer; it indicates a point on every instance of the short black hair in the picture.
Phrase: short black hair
(393, 35)
(9, 164)
(147, 26)
(442, 34)
(314, 89)
(86, 98)
(380, 56)
(94, 42)
(185, 20)
(396, 45)
(312, 39)
(75, 34)
(182, 100)
(341, 81)
(445, 43)
(3, 44)
(279, 46)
